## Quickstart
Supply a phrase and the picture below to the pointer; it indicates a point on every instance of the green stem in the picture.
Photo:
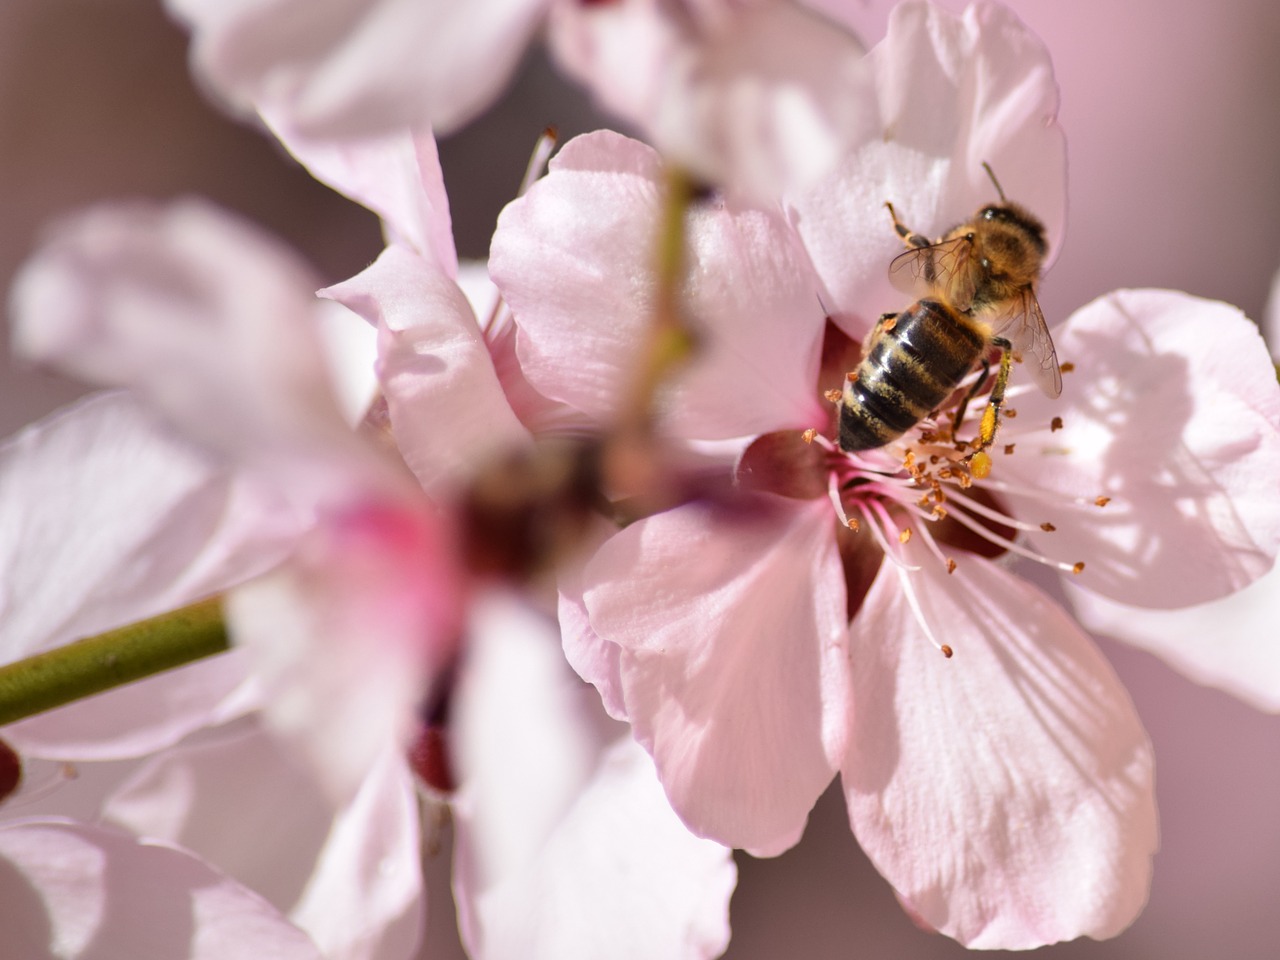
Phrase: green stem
(111, 659)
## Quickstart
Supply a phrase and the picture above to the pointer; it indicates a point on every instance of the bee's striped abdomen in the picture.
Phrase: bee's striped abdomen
(911, 367)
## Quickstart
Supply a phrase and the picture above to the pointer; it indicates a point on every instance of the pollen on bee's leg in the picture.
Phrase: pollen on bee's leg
(980, 465)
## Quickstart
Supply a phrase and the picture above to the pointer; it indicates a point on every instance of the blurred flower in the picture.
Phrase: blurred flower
(355, 633)
(71, 890)
(1006, 794)
(751, 96)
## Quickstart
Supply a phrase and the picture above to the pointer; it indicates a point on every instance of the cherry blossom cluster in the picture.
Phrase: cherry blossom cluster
(483, 564)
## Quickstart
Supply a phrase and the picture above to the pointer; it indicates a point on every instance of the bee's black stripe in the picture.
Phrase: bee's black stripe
(910, 369)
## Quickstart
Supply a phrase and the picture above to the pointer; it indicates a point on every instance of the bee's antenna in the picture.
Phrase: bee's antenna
(991, 173)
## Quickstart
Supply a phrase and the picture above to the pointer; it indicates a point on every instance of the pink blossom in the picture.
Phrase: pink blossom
(1005, 793)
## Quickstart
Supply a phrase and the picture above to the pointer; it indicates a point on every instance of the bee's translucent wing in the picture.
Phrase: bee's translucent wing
(1023, 325)
(936, 270)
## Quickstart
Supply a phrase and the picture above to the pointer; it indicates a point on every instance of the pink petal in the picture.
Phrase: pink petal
(345, 69)
(397, 176)
(349, 635)
(210, 320)
(573, 259)
(447, 407)
(109, 519)
(1182, 433)
(1006, 793)
(752, 97)
(732, 634)
(74, 891)
(596, 660)
(953, 92)
(347, 876)
(566, 846)
(1228, 643)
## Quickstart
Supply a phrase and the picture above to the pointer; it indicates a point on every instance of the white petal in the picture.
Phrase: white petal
(566, 846)
(354, 68)
(69, 891)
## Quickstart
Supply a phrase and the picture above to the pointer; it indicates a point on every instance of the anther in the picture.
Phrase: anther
(808, 435)
(832, 395)
(1008, 449)
(1010, 413)
(947, 651)
(852, 376)
(1055, 424)
(904, 535)
(1102, 501)
(1066, 367)
(951, 566)
(854, 525)
(1078, 567)
(1048, 527)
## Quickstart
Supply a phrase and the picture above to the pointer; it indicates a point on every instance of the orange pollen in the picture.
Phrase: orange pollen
(832, 395)
(1048, 527)
(904, 535)
(951, 565)
(854, 525)
(808, 435)
(1102, 501)
(1078, 567)
(1010, 413)
(852, 376)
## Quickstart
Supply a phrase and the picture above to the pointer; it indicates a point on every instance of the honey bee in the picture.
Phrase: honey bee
(976, 291)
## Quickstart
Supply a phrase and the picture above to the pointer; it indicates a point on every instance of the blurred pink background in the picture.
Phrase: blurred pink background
(1174, 142)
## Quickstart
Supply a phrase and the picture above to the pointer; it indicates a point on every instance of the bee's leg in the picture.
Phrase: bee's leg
(963, 406)
(909, 237)
(979, 460)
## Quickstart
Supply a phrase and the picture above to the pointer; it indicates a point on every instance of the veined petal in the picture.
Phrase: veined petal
(206, 317)
(69, 891)
(566, 846)
(732, 632)
(447, 407)
(1006, 792)
(574, 259)
(354, 68)
(953, 92)
(1178, 430)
